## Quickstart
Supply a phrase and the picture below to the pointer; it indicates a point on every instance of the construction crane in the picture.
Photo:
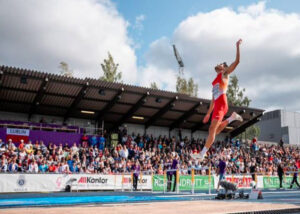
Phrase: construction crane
(179, 60)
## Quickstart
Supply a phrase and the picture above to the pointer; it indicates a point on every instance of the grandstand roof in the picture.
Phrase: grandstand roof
(34, 92)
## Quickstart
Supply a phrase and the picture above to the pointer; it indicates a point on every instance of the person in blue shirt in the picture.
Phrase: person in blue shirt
(43, 167)
(141, 144)
(93, 141)
(74, 168)
(70, 162)
(101, 142)
(237, 143)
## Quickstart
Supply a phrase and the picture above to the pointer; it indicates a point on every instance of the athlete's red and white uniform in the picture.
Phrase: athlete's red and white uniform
(220, 98)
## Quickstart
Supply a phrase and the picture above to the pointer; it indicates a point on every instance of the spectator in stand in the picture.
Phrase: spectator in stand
(93, 141)
(33, 167)
(3, 166)
(90, 168)
(74, 168)
(52, 168)
(124, 152)
(1, 143)
(84, 141)
(101, 142)
(254, 145)
(21, 145)
(238, 144)
(11, 146)
(13, 166)
(29, 147)
(43, 167)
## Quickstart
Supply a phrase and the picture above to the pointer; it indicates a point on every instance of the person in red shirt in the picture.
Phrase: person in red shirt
(52, 168)
(21, 145)
(218, 106)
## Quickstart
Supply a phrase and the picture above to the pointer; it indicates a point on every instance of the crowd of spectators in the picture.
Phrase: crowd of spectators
(95, 154)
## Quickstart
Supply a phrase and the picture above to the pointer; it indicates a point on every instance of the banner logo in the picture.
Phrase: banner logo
(91, 180)
(21, 180)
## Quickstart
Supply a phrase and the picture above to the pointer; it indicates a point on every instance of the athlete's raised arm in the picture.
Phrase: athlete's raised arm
(233, 65)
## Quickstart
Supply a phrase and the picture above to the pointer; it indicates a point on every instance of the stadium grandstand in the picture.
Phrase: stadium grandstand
(63, 134)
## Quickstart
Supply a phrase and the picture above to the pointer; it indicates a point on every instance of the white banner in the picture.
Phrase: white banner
(58, 182)
(240, 180)
(21, 132)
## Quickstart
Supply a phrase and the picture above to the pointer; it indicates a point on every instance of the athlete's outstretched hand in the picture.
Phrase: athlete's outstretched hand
(239, 42)
(206, 118)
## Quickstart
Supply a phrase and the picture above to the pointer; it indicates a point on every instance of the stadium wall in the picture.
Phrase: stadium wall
(280, 124)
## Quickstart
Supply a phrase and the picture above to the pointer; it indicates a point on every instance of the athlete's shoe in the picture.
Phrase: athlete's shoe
(236, 116)
(198, 157)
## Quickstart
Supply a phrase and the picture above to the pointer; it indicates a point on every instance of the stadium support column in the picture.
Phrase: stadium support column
(185, 116)
(76, 101)
(161, 112)
(132, 110)
(109, 106)
(38, 98)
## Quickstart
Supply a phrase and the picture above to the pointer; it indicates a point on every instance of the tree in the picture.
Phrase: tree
(154, 86)
(65, 70)
(236, 97)
(110, 70)
(186, 86)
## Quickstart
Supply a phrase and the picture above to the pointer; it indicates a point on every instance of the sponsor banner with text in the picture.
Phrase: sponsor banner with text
(185, 182)
(58, 182)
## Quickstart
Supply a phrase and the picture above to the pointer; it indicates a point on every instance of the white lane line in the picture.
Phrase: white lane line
(287, 192)
(195, 195)
(124, 204)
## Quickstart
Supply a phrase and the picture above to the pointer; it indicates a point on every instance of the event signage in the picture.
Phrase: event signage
(16, 135)
(59, 182)
(272, 182)
(185, 182)
(240, 181)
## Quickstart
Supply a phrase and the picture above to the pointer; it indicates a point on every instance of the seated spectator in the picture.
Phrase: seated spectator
(21, 145)
(43, 167)
(52, 168)
(29, 147)
(74, 168)
(33, 167)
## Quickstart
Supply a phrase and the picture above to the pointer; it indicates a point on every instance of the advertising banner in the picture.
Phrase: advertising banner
(58, 182)
(240, 181)
(272, 182)
(185, 182)
(16, 135)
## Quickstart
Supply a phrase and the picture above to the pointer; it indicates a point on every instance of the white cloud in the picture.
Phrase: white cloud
(39, 34)
(270, 53)
(139, 22)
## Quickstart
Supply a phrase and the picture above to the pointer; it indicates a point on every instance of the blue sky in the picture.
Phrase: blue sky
(139, 35)
(163, 16)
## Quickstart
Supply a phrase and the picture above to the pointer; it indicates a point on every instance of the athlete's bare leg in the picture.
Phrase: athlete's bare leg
(215, 128)
(211, 136)
(222, 126)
